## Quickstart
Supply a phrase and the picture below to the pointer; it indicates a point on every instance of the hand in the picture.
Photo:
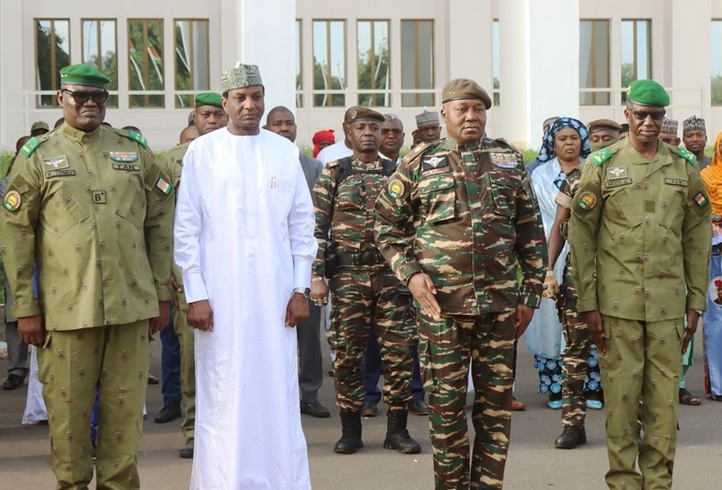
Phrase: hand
(423, 289)
(551, 286)
(523, 317)
(319, 292)
(690, 329)
(596, 329)
(162, 320)
(174, 284)
(200, 315)
(297, 309)
(31, 330)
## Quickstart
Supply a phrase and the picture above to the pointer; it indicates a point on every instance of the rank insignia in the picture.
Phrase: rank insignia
(396, 188)
(698, 198)
(504, 160)
(57, 162)
(123, 156)
(617, 172)
(432, 163)
(164, 186)
(12, 201)
(587, 200)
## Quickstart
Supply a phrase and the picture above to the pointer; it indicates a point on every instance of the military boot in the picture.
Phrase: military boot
(571, 437)
(397, 437)
(350, 441)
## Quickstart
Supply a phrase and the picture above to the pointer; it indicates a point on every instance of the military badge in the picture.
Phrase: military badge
(587, 200)
(617, 172)
(57, 162)
(164, 186)
(504, 160)
(396, 188)
(700, 199)
(433, 162)
(12, 201)
(123, 156)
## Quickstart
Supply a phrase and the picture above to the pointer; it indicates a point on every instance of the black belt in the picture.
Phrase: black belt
(366, 258)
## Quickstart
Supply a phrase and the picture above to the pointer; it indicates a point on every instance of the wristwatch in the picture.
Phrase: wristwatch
(306, 292)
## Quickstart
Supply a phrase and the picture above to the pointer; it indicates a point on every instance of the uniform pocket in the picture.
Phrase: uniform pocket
(349, 195)
(504, 189)
(439, 197)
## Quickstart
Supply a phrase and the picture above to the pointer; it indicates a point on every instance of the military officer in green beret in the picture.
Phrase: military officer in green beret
(477, 229)
(208, 116)
(88, 207)
(639, 234)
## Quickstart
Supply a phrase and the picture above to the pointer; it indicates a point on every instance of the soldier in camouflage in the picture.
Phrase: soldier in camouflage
(640, 233)
(477, 225)
(89, 206)
(363, 285)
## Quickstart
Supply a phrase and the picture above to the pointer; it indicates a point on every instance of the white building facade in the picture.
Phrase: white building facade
(317, 57)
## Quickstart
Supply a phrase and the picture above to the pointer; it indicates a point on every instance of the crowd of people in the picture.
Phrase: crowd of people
(236, 249)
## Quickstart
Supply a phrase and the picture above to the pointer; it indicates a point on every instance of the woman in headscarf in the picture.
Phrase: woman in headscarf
(322, 139)
(565, 145)
(712, 176)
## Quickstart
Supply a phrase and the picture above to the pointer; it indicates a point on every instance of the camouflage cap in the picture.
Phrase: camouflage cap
(670, 126)
(427, 118)
(363, 114)
(647, 92)
(82, 74)
(464, 89)
(39, 125)
(209, 98)
(602, 124)
(694, 123)
(241, 76)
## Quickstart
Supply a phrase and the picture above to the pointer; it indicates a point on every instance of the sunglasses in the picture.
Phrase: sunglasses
(83, 97)
(642, 115)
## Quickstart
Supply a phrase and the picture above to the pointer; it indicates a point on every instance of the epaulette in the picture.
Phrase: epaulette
(600, 156)
(686, 154)
(135, 136)
(415, 152)
(512, 147)
(31, 144)
(332, 164)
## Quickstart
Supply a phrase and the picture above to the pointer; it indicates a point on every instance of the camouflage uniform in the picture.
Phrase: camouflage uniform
(476, 225)
(359, 291)
(639, 233)
(94, 212)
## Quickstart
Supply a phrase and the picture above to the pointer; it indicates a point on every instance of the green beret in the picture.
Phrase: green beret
(209, 98)
(647, 92)
(82, 74)
(363, 114)
(464, 89)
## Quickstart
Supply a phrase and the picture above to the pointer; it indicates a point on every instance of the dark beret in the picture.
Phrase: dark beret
(600, 124)
(464, 89)
(363, 114)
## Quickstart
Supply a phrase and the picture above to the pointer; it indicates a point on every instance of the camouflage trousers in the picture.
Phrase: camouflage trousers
(642, 362)
(186, 335)
(356, 297)
(574, 363)
(445, 347)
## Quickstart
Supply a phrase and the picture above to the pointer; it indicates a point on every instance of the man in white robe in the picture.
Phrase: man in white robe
(244, 243)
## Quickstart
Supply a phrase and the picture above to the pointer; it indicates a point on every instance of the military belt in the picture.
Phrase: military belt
(365, 258)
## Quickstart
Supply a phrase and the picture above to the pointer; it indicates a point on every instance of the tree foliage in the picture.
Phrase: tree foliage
(45, 52)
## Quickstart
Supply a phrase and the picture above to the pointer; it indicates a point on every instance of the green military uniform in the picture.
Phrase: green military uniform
(172, 164)
(93, 212)
(477, 225)
(639, 233)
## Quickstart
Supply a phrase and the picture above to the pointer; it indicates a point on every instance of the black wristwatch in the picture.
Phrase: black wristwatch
(306, 292)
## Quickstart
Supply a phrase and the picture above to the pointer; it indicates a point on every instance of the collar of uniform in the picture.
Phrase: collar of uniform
(451, 144)
(80, 136)
(366, 166)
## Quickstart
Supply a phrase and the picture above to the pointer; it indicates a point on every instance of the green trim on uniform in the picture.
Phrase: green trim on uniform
(687, 155)
(415, 151)
(139, 138)
(30, 146)
(601, 156)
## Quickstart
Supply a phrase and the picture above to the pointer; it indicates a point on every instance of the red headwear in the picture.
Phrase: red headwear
(323, 135)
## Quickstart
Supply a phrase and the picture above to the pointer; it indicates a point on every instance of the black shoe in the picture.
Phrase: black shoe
(168, 414)
(571, 437)
(13, 382)
(186, 452)
(418, 407)
(152, 380)
(315, 409)
(350, 441)
(369, 409)
(397, 436)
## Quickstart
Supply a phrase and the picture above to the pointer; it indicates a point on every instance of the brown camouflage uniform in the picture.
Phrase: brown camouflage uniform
(344, 216)
(477, 225)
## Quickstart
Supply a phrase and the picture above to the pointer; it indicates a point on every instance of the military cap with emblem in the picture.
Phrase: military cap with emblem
(209, 98)
(82, 74)
(39, 125)
(602, 124)
(693, 123)
(670, 126)
(241, 76)
(464, 89)
(427, 118)
(647, 92)
(363, 114)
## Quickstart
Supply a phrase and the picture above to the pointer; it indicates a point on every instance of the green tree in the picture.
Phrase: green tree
(46, 52)
(378, 65)
(321, 82)
(716, 90)
(146, 67)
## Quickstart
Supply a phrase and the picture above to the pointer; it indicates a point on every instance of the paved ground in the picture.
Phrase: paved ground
(533, 462)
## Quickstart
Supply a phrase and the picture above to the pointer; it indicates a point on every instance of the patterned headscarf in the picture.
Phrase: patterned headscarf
(712, 176)
(547, 151)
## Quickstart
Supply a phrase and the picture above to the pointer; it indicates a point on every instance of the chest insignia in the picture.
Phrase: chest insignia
(617, 172)
(57, 162)
(12, 201)
(126, 167)
(123, 156)
(164, 186)
(587, 200)
(504, 160)
(434, 162)
(396, 188)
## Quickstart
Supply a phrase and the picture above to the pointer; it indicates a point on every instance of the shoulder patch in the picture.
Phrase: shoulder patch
(29, 146)
(686, 154)
(601, 156)
(139, 138)
(415, 152)
(332, 164)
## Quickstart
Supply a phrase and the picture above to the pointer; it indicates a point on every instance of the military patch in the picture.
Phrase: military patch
(612, 183)
(126, 167)
(12, 201)
(504, 160)
(65, 172)
(433, 162)
(698, 198)
(601, 156)
(99, 197)
(396, 188)
(123, 156)
(164, 186)
(687, 155)
(139, 138)
(617, 172)
(587, 200)
(29, 147)
(57, 162)
(679, 182)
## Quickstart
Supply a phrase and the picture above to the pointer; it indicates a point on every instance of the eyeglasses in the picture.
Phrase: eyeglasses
(642, 115)
(83, 97)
